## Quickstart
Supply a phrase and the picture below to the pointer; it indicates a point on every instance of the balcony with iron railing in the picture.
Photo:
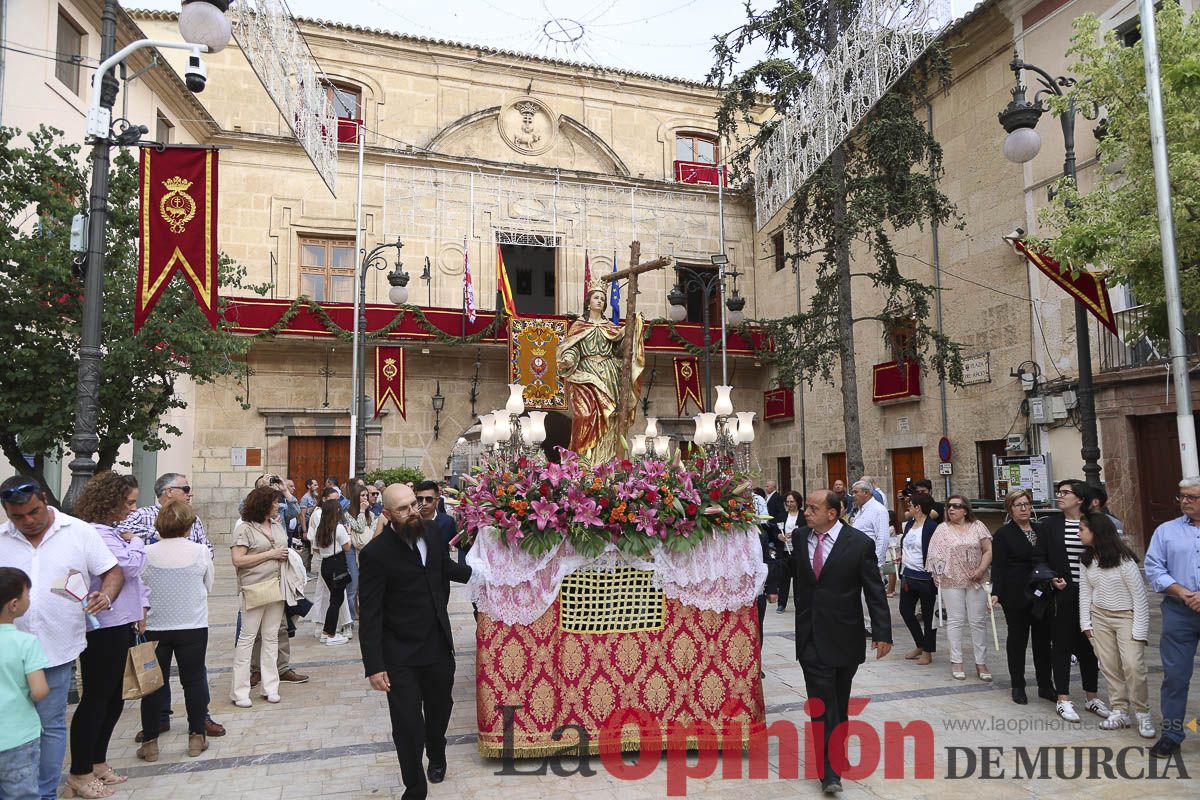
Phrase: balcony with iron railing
(1130, 350)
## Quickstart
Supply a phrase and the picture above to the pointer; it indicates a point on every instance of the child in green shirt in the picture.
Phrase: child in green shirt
(22, 683)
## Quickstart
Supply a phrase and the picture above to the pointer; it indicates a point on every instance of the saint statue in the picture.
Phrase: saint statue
(590, 360)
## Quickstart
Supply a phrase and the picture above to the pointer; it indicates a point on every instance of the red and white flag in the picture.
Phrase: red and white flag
(587, 279)
(468, 285)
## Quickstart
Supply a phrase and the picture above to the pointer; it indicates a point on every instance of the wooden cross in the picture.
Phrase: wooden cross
(627, 403)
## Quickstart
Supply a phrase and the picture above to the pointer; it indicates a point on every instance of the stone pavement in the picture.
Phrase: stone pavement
(330, 738)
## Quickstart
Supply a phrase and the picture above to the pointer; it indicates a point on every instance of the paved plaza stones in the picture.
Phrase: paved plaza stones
(330, 738)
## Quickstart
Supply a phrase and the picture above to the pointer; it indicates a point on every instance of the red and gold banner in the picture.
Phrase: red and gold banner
(894, 382)
(1087, 287)
(700, 665)
(687, 383)
(178, 227)
(779, 405)
(533, 361)
(389, 378)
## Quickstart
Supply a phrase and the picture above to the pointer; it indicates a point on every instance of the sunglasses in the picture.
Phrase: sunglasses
(19, 494)
(955, 505)
(185, 488)
(426, 499)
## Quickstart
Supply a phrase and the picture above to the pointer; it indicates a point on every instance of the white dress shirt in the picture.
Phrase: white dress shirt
(872, 519)
(69, 544)
(830, 538)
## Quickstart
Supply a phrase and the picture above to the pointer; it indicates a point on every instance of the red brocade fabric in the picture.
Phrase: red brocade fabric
(700, 666)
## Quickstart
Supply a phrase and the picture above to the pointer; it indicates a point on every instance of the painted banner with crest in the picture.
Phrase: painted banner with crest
(687, 383)
(178, 227)
(389, 378)
(533, 361)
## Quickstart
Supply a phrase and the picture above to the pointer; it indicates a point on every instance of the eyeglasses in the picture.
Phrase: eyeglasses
(373, 494)
(959, 506)
(1063, 493)
(424, 499)
(1180, 498)
(19, 494)
(1022, 505)
(185, 488)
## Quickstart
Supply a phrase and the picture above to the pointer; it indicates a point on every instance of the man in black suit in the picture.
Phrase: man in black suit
(429, 496)
(835, 566)
(407, 645)
(775, 504)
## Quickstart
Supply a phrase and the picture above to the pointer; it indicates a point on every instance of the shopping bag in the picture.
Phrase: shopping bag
(142, 674)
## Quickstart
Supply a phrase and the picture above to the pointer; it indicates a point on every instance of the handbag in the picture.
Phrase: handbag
(339, 570)
(262, 593)
(143, 676)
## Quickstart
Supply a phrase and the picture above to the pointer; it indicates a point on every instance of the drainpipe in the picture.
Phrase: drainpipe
(3, 52)
(800, 393)
(937, 301)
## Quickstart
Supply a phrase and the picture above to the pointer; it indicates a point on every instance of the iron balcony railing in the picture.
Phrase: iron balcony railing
(1130, 349)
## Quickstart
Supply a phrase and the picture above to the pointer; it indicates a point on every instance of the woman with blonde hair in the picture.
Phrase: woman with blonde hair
(259, 552)
(959, 555)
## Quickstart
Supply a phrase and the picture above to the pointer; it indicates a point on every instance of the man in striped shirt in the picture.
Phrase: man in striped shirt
(169, 486)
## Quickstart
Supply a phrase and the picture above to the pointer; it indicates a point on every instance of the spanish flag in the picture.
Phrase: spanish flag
(502, 286)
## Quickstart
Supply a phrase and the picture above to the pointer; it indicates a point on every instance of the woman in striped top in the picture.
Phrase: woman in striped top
(1114, 613)
(1060, 548)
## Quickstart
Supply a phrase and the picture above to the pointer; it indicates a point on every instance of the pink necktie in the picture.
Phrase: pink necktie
(819, 555)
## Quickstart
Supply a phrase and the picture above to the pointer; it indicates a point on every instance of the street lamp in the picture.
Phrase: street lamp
(398, 295)
(439, 402)
(1020, 119)
(706, 282)
(204, 22)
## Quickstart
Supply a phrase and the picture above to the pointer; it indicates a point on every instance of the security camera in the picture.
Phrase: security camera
(1015, 235)
(195, 76)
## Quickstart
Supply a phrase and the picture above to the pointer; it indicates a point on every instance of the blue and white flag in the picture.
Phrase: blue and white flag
(614, 297)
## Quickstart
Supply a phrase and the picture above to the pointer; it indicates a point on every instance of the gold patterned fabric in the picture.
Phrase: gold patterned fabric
(698, 666)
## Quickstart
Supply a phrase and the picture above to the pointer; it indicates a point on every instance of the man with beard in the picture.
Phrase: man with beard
(407, 645)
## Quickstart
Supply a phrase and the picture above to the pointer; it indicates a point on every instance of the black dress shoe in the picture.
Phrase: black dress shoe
(1165, 747)
(832, 787)
(780, 609)
(436, 774)
(1018, 694)
(1048, 694)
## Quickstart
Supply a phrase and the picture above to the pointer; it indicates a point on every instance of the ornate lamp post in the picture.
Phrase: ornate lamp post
(398, 295)
(706, 282)
(439, 402)
(1020, 119)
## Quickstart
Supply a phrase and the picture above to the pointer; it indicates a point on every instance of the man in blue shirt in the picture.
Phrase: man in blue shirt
(1173, 569)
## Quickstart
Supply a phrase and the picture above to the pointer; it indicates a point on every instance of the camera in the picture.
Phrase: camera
(196, 75)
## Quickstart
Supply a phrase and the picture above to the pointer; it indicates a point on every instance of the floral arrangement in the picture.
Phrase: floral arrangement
(634, 505)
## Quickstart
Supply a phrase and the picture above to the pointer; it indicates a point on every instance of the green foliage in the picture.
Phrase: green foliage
(42, 182)
(1114, 228)
(396, 475)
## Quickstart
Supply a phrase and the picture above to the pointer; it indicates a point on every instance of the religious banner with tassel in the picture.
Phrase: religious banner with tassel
(178, 227)
(389, 378)
(1086, 287)
(687, 383)
(533, 361)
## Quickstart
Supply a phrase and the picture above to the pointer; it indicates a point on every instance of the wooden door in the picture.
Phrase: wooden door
(835, 470)
(987, 470)
(1159, 473)
(785, 474)
(907, 462)
(318, 457)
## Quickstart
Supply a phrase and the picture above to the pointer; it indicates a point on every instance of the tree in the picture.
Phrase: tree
(41, 187)
(884, 178)
(1115, 226)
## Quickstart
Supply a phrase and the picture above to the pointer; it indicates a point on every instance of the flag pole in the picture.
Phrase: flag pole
(360, 279)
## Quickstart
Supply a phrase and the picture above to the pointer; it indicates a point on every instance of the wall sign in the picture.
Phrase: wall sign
(977, 369)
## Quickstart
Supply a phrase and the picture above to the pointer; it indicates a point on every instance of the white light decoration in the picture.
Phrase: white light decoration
(1022, 145)
(724, 405)
(662, 446)
(201, 22)
(537, 426)
(639, 446)
(884, 39)
(398, 295)
(706, 428)
(677, 313)
(745, 427)
(503, 429)
(526, 432)
(487, 430)
(279, 56)
(516, 399)
(651, 427)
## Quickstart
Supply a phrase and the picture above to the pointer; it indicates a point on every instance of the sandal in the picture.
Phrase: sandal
(983, 673)
(110, 778)
(90, 790)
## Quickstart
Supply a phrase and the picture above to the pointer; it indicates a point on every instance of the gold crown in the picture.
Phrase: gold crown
(598, 286)
(177, 184)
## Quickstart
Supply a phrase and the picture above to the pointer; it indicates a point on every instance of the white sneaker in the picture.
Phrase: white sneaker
(1145, 725)
(334, 640)
(348, 630)
(1066, 710)
(271, 698)
(1117, 719)
(1097, 707)
(243, 703)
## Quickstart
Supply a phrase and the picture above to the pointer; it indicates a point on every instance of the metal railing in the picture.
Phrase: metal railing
(1129, 349)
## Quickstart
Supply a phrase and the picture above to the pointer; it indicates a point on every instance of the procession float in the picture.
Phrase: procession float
(616, 579)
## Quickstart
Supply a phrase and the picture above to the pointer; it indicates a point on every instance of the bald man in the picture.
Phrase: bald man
(407, 645)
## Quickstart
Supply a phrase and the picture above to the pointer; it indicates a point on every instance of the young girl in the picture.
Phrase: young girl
(1114, 613)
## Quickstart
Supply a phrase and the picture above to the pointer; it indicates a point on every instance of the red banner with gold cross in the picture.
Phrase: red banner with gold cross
(687, 383)
(178, 227)
(389, 378)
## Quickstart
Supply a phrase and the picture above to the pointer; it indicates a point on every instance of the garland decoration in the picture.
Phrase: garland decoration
(317, 310)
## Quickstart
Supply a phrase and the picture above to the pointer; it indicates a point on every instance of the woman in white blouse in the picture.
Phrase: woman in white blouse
(792, 503)
(179, 574)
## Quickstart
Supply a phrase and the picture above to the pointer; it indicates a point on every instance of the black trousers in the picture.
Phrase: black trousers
(419, 704)
(1022, 626)
(102, 669)
(188, 648)
(1067, 640)
(761, 603)
(913, 591)
(336, 597)
(832, 686)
